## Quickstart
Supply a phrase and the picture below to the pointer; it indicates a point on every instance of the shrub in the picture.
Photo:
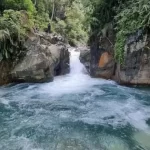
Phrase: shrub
(13, 31)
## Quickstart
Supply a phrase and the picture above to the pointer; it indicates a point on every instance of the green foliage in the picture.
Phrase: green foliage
(80, 17)
(18, 17)
(129, 20)
(19, 5)
(103, 13)
(12, 33)
(41, 21)
(74, 28)
(127, 16)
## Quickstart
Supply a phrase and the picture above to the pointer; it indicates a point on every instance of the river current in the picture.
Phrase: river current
(75, 112)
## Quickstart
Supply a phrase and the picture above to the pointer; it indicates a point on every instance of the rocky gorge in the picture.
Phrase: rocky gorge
(47, 56)
(100, 61)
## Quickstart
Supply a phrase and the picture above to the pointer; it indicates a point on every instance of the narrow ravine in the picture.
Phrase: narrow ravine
(75, 112)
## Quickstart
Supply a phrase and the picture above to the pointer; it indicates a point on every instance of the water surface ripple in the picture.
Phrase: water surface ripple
(75, 112)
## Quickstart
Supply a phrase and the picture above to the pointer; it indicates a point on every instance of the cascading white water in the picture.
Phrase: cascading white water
(75, 112)
(74, 82)
(75, 65)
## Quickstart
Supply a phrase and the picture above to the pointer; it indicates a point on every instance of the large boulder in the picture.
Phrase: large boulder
(5, 67)
(46, 56)
(106, 66)
(136, 68)
(85, 58)
(99, 59)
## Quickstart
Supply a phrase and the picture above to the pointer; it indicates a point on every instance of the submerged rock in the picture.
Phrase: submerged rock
(47, 56)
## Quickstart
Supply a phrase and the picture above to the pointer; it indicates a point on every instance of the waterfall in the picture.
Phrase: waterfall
(77, 81)
(75, 65)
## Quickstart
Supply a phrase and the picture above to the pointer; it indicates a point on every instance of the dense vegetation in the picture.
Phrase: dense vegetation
(134, 15)
(19, 17)
(125, 16)
(74, 19)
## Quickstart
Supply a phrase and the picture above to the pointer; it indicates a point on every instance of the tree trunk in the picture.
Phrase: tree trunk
(34, 2)
(53, 10)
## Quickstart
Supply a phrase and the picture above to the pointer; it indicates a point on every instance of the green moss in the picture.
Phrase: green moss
(135, 15)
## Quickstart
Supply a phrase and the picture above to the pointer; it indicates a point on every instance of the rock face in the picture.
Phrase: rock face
(46, 57)
(5, 68)
(85, 58)
(106, 66)
(99, 59)
(136, 68)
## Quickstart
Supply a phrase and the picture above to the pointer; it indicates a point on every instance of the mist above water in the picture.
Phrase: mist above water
(75, 112)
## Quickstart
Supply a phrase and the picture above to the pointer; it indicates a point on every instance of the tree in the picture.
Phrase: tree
(1, 6)
(19, 5)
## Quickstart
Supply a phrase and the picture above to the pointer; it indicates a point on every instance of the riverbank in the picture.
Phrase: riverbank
(134, 70)
(45, 56)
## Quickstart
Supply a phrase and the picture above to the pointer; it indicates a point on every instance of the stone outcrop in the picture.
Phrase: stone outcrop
(46, 57)
(99, 59)
(5, 68)
(136, 68)
(85, 58)
(106, 66)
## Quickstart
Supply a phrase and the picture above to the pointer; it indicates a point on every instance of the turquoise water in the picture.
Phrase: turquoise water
(75, 112)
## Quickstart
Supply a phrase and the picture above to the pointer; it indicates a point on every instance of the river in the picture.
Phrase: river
(75, 112)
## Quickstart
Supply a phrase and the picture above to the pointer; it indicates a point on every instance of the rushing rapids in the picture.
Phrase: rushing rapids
(75, 112)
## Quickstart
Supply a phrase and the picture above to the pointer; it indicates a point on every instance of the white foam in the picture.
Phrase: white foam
(75, 82)
(19, 143)
(117, 113)
(113, 143)
(4, 101)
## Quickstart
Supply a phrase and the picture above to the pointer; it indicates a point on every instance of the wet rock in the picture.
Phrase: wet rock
(99, 59)
(46, 56)
(37, 66)
(85, 58)
(106, 66)
(5, 68)
(136, 68)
